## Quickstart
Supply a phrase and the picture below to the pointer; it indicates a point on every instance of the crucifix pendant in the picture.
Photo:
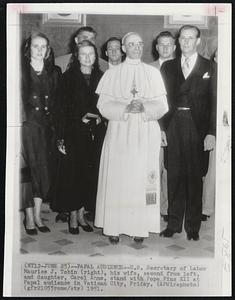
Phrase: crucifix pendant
(134, 91)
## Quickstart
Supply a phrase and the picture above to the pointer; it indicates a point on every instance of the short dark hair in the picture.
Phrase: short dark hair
(155, 42)
(184, 27)
(85, 28)
(105, 45)
(113, 38)
(164, 34)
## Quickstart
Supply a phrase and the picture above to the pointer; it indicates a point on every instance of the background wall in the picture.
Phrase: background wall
(114, 25)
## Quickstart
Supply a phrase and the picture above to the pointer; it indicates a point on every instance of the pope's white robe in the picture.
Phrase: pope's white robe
(129, 186)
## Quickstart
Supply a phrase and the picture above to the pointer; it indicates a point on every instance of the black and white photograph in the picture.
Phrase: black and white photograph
(118, 161)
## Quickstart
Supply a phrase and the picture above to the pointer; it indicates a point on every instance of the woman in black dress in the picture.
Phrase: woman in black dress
(39, 83)
(80, 133)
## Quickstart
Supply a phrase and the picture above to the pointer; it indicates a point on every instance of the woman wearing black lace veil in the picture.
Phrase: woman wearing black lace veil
(80, 134)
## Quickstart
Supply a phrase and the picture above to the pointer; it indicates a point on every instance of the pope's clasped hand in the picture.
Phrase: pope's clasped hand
(136, 106)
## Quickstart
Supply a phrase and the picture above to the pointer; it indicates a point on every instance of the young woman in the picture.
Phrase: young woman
(80, 136)
(39, 83)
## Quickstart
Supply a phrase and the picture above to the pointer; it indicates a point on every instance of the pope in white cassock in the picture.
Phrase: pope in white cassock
(132, 97)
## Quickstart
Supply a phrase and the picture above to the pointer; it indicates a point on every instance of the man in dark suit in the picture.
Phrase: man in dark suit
(190, 126)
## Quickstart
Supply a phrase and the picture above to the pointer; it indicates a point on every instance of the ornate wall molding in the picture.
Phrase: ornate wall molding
(63, 19)
(176, 21)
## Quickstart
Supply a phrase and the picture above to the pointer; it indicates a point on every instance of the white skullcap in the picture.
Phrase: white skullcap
(128, 34)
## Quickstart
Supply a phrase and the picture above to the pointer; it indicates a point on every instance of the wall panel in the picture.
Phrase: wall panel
(114, 25)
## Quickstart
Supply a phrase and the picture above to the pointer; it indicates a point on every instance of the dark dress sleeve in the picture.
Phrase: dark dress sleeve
(55, 81)
(59, 107)
(71, 106)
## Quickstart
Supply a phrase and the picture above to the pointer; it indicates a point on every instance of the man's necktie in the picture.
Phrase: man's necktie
(186, 67)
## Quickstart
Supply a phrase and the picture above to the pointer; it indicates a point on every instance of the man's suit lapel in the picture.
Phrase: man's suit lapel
(195, 71)
(180, 75)
(196, 68)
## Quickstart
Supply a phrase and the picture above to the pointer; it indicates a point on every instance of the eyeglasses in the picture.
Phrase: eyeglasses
(133, 45)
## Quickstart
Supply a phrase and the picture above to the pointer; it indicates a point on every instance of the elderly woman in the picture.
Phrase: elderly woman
(39, 84)
(80, 136)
